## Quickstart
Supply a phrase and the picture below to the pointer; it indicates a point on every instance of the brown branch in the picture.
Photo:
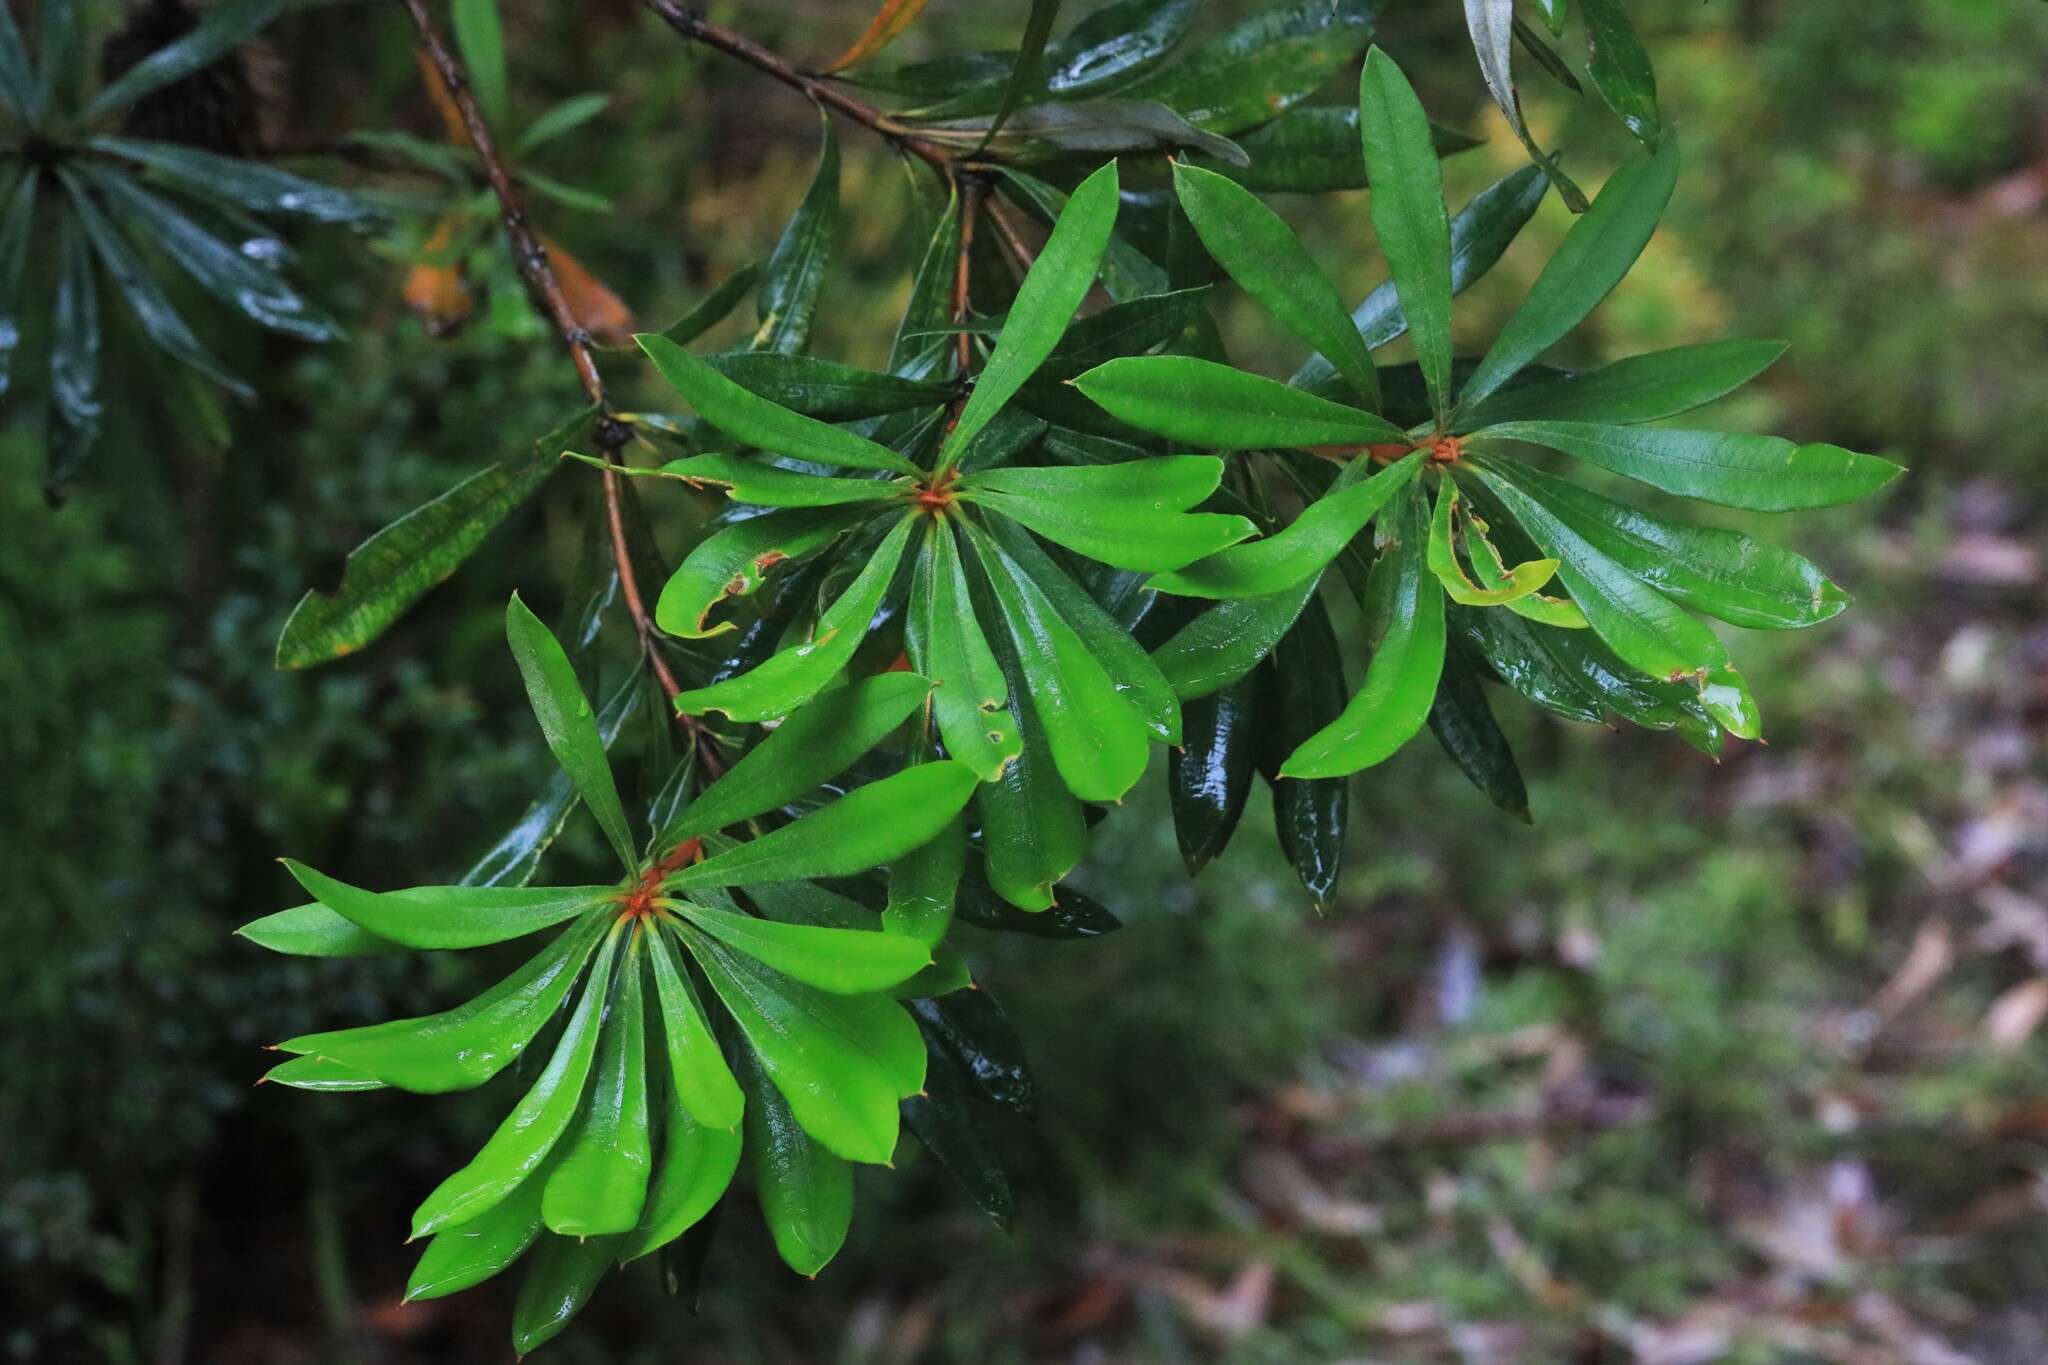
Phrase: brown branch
(532, 260)
(970, 212)
(1006, 228)
(694, 27)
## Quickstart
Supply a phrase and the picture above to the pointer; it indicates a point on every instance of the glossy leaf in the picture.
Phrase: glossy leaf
(219, 30)
(716, 306)
(825, 389)
(1620, 68)
(1304, 690)
(868, 826)
(1225, 642)
(839, 961)
(1137, 679)
(732, 562)
(794, 278)
(1406, 607)
(1643, 388)
(1097, 737)
(817, 742)
(1491, 24)
(1115, 45)
(698, 1076)
(1591, 260)
(1024, 72)
(315, 931)
(398, 565)
(970, 697)
(567, 722)
(1758, 473)
(1032, 829)
(923, 885)
(1268, 261)
(945, 1121)
(320, 1074)
(972, 1028)
(791, 677)
(1121, 329)
(1644, 627)
(695, 1170)
(466, 1046)
(917, 350)
(753, 420)
(806, 1192)
(1722, 573)
(561, 1275)
(468, 1255)
(1200, 402)
(1463, 723)
(18, 92)
(246, 184)
(1052, 289)
(1281, 561)
(1262, 66)
(1209, 777)
(522, 1142)
(1131, 516)
(1046, 132)
(766, 485)
(1127, 273)
(1408, 215)
(1516, 583)
(598, 1183)
(1313, 149)
(17, 222)
(75, 401)
(842, 1062)
(1068, 915)
(449, 916)
(1480, 234)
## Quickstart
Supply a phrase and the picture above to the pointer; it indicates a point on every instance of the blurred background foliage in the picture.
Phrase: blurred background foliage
(1734, 1061)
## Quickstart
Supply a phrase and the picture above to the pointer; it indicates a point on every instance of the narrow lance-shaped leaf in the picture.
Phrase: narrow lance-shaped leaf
(944, 1119)
(471, 1254)
(245, 184)
(480, 37)
(1480, 233)
(599, 1181)
(716, 306)
(1463, 723)
(1406, 607)
(795, 274)
(1033, 833)
(1263, 66)
(1304, 690)
(566, 720)
(732, 562)
(398, 565)
(1131, 516)
(1024, 74)
(16, 223)
(1313, 150)
(817, 742)
(913, 353)
(1591, 260)
(838, 961)
(220, 29)
(867, 827)
(74, 358)
(889, 23)
(1203, 403)
(762, 484)
(535, 1125)
(970, 697)
(17, 80)
(696, 1167)
(1052, 289)
(1225, 642)
(753, 420)
(561, 1275)
(1643, 388)
(806, 1191)
(698, 1075)
(1264, 256)
(923, 885)
(452, 917)
(1280, 561)
(1645, 628)
(1758, 473)
(1620, 68)
(791, 677)
(1408, 215)
(1209, 777)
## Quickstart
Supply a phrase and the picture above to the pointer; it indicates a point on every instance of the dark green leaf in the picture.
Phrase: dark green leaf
(1305, 691)
(1209, 776)
(825, 389)
(249, 288)
(1591, 260)
(1200, 402)
(1546, 57)
(917, 350)
(945, 1121)
(1269, 262)
(1263, 66)
(1409, 216)
(806, 1192)
(564, 118)
(560, 1278)
(74, 358)
(1643, 388)
(1406, 608)
(1464, 725)
(1121, 329)
(1758, 473)
(1052, 289)
(1024, 73)
(17, 222)
(1070, 915)
(568, 723)
(246, 184)
(795, 275)
(1127, 273)
(1479, 235)
(1620, 68)
(18, 90)
(1314, 149)
(972, 1028)
(1100, 127)
(1227, 641)
(220, 30)
(716, 306)
(1115, 45)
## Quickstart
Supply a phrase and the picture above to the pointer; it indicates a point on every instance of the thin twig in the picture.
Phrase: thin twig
(970, 212)
(694, 27)
(1006, 228)
(532, 260)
